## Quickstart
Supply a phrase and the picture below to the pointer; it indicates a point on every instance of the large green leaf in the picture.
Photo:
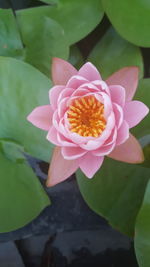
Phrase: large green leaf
(22, 88)
(142, 232)
(77, 18)
(43, 40)
(10, 42)
(113, 52)
(22, 197)
(116, 192)
(131, 19)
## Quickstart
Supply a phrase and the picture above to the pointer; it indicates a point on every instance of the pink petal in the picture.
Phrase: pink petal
(126, 77)
(104, 150)
(123, 133)
(80, 92)
(60, 169)
(62, 71)
(65, 93)
(70, 153)
(117, 94)
(90, 164)
(118, 114)
(89, 72)
(90, 86)
(64, 141)
(130, 151)
(52, 136)
(41, 117)
(108, 146)
(62, 107)
(102, 86)
(54, 94)
(134, 112)
(76, 81)
(112, 137)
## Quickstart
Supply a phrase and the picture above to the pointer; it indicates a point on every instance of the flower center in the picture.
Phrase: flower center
(86, 116)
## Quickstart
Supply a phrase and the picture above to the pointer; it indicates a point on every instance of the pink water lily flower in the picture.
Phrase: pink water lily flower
(89, 118)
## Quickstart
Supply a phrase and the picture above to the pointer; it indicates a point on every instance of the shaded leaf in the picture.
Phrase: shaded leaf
(113, 53)
(10, 41)
(142, 232)
(12, 150)
(75, 57)
(116, 192)
(50, 2)
(22, 198)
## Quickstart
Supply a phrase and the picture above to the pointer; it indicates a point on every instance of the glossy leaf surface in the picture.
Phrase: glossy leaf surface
(142, 232)
(23, 88)
(77, 18)
(116, 192)
(22, 197)
(112, 53)
(131, 19)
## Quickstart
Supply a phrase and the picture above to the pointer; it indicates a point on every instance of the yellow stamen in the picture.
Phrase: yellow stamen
(86, 116)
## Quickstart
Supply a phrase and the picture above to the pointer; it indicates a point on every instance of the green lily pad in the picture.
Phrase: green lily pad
(42, 41)
(142, 231)
(22, 88)
(22, 197)
(131, 19)
(77, 18)
(116, 192)
(10, 41)
(112, 53)
(12, 150)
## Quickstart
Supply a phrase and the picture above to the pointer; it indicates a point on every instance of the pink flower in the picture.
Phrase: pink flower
(89, 119)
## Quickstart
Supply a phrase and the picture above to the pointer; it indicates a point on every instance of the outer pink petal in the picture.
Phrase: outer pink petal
(89, 72)
(117, 94)
(70, 153)
(60, 169)
(62, 71)
(126, 77)
(130, 151)
(134, 112)
(90, 164)
(41, 117)
(54, 94)
(123, 133)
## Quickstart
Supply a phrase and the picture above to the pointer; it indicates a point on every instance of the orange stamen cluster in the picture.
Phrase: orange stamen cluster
(86, 116)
